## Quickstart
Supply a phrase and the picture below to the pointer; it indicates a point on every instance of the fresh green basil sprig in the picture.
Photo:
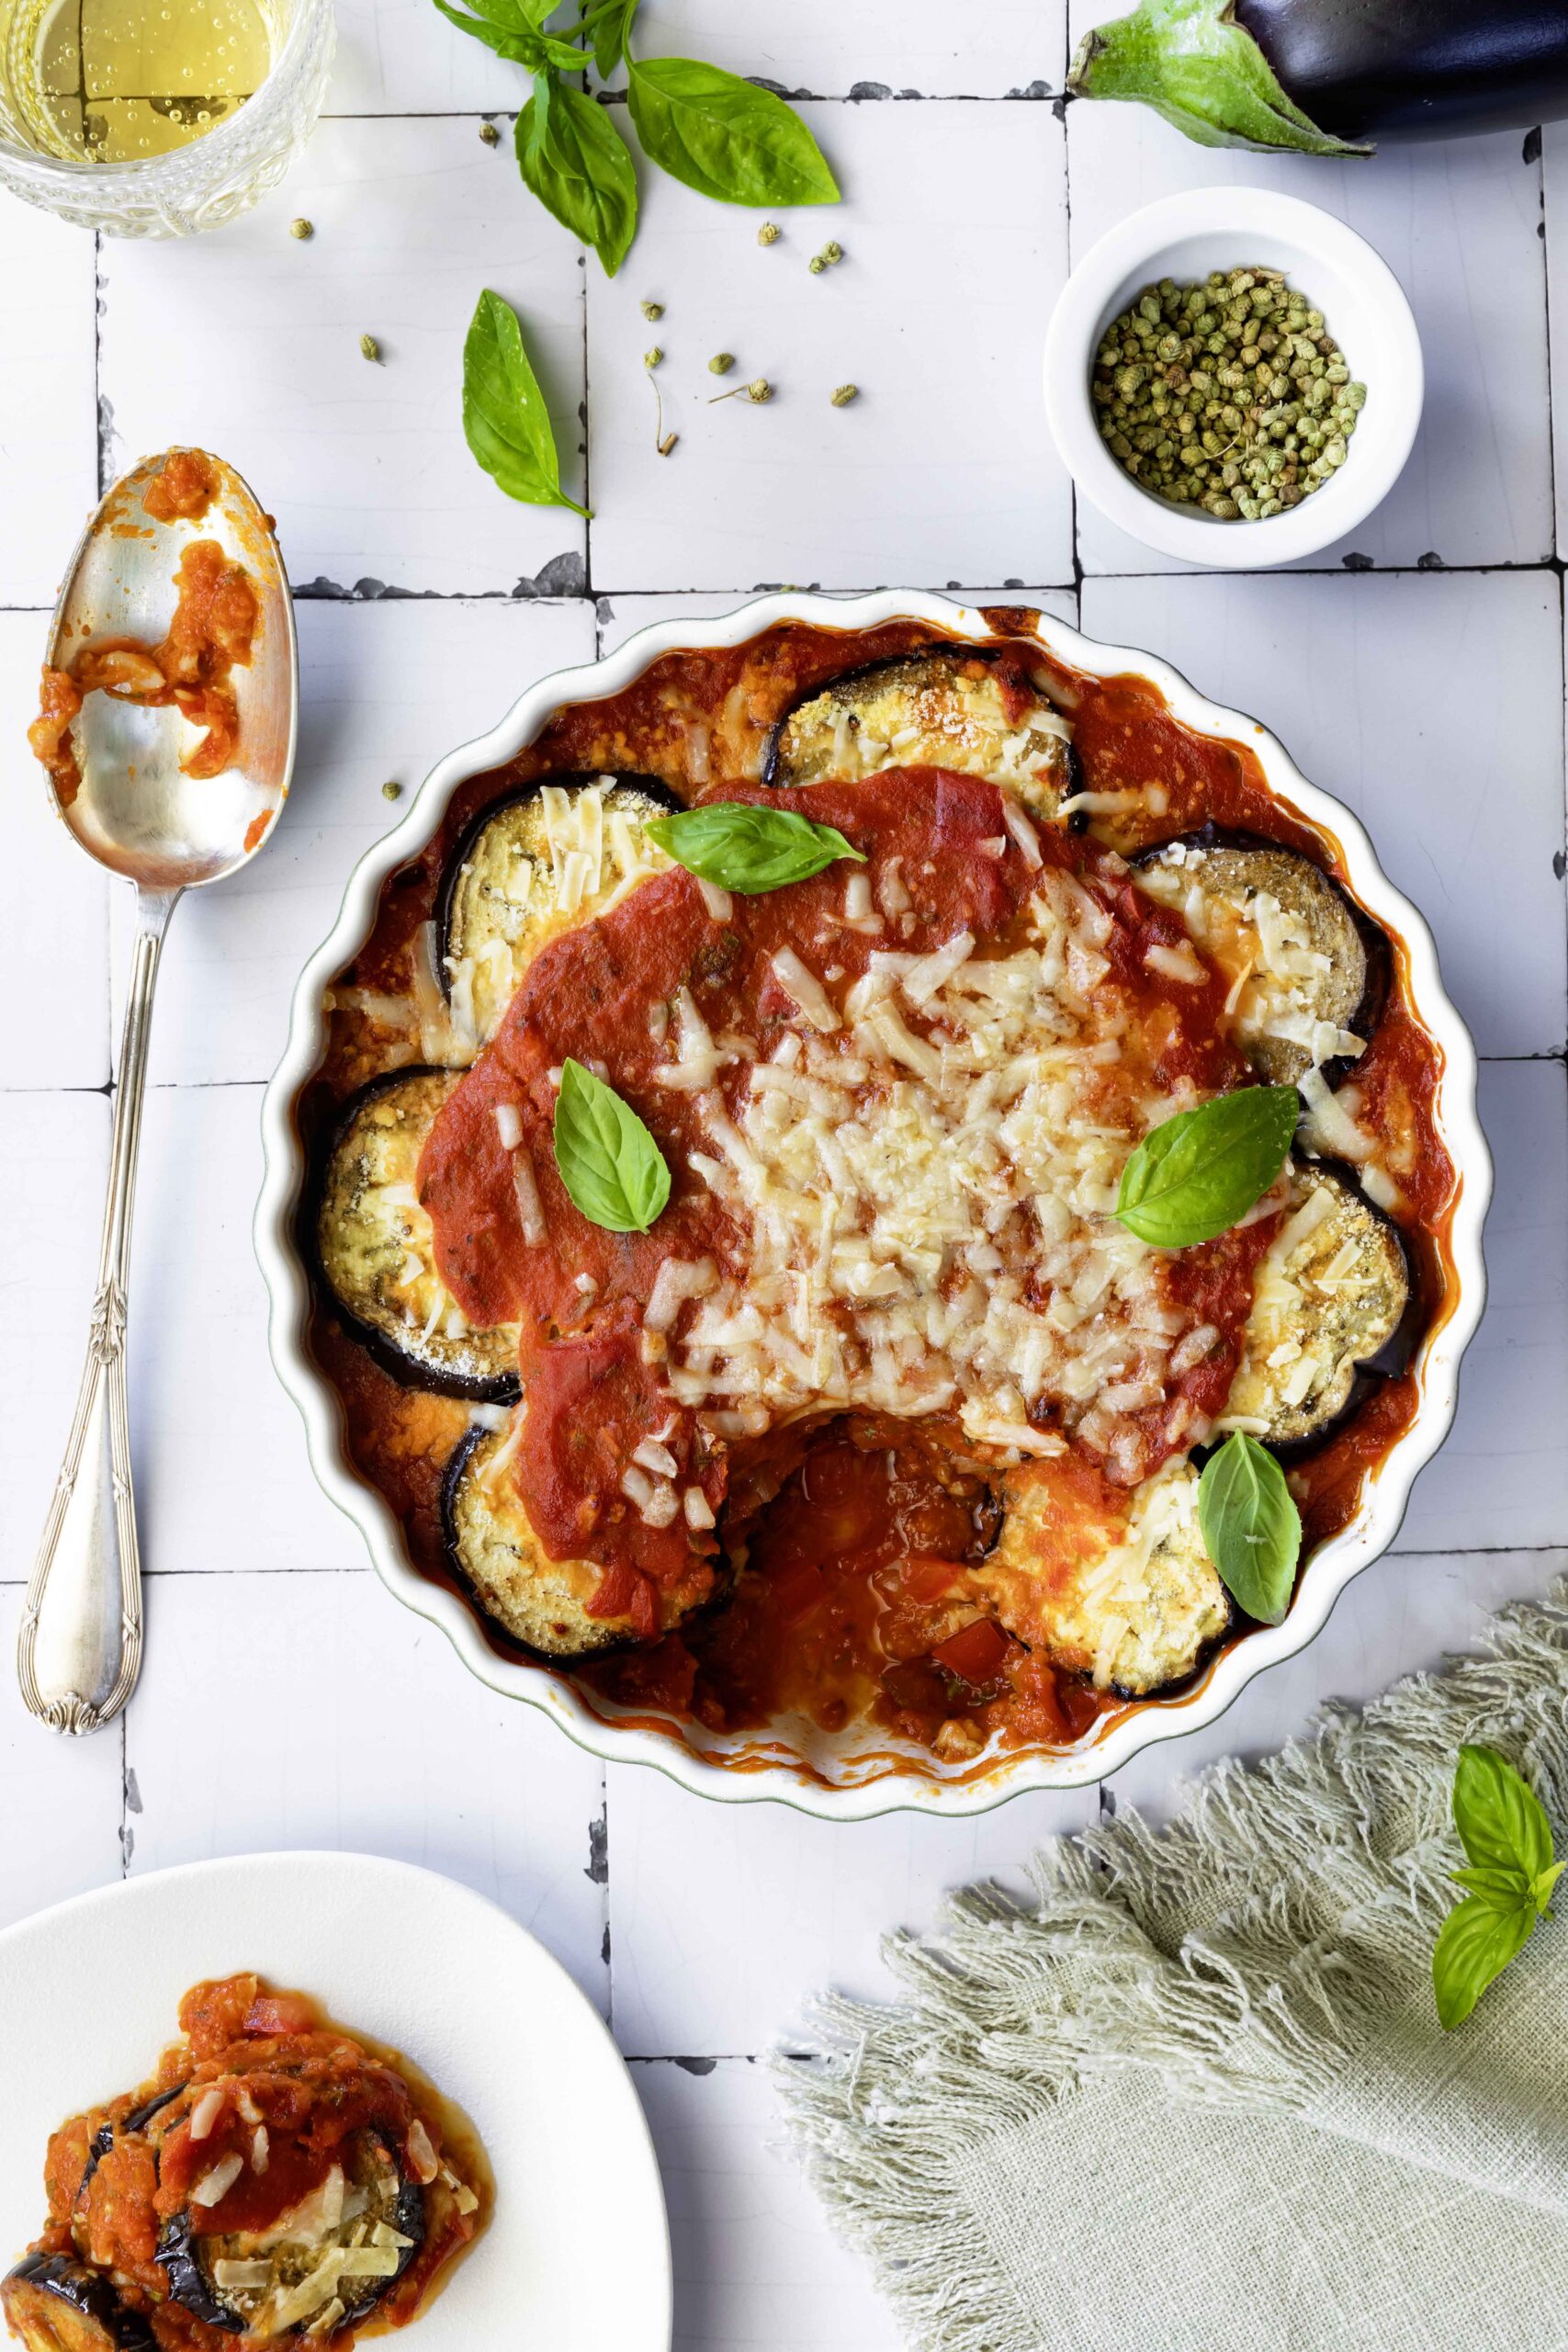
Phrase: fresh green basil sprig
(1507, 1841)
(721, 135)
(1250, 1526)
(749, 849)
(506, 420)
(612, 1169)
(1197, 1175)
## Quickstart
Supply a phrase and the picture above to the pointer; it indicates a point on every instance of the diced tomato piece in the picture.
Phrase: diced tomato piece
(926, 1579)
(976, 1654)
(615, 1592)
(275, 2014)
(645, 1608)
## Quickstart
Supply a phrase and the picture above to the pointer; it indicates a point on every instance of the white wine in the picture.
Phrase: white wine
(116, 81)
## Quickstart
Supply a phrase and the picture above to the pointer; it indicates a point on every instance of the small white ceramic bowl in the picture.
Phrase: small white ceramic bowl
(1363, 305)
(845, 1777)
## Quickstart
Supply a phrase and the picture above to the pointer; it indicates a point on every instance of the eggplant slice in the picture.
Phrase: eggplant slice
(1309, 969)
(947, 709)
(495, 1553)
(549, 857)
(376, 1246)
(1334, 1305)
(1132, 1608)
(53, 2303)
(348, 2242)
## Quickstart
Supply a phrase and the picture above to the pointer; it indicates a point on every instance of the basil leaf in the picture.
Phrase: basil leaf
(612, 31)
(1251, 1526)
(506, 420)
(1197, 1175)
(579, 169)
(514, 29)
(748, 848)
(725, 137)
(1541, 1886)
(1504, 1890)
(609, 1163)
(1474, 1944)
(1501, 1821)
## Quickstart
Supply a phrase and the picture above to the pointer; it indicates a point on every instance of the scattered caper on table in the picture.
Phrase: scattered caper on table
(1231, 395)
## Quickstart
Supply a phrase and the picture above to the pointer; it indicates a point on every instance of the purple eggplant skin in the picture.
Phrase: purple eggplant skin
(1416, 69)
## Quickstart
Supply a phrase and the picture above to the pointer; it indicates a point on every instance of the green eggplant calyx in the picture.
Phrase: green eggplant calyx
(1194, 64)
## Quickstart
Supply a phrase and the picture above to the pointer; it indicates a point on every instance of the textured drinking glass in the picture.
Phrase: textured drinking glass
(212, 179)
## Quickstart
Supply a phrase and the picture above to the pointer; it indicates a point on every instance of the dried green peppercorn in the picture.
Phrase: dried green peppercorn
(1231, 396)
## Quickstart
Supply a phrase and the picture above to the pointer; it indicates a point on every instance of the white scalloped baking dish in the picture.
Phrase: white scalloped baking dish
(840, 1784)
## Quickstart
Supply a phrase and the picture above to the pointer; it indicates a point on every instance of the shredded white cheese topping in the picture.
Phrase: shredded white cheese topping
(926, 1173)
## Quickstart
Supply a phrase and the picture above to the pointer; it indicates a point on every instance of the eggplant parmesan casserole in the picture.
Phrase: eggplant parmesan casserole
(878, 1416)
(278, 2181)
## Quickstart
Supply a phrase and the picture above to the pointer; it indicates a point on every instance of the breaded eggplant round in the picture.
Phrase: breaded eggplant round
(348, 2242)
(1308, 967)
(957, 707)
(1132, 1606)
(375, 1246)
(538, 1602)
(1333, 1305)
(548, 856)
(53, 2303)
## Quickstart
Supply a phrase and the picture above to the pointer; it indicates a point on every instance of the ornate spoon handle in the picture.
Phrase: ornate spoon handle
(79, 1651)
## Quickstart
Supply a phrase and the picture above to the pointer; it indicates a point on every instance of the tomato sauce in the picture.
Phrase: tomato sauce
(857, 1538)
(253, 2059)
(211, 634)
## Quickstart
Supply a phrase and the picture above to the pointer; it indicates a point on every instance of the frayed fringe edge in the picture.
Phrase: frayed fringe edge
(1245, 1954)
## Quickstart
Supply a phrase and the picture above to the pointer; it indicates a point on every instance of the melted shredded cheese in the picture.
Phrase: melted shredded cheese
(927, 1178)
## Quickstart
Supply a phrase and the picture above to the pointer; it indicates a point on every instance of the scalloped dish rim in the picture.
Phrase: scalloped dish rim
(763, 1772)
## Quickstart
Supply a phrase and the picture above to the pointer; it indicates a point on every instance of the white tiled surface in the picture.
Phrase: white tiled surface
(1430, 699)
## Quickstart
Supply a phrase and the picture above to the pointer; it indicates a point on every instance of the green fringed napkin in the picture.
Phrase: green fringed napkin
(1196, 2098)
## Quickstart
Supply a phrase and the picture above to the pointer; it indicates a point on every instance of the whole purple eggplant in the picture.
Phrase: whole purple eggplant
(1333, 76)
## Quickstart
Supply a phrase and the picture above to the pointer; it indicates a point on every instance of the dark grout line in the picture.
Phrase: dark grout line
(1394, 1552)
(866, 94)
(707, 2061)
(1557, 1057)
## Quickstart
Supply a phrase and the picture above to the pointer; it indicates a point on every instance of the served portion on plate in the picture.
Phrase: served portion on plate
(276, 2180)
(820, 1151)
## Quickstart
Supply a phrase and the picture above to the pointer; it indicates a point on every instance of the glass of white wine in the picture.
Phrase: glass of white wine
(155, 117)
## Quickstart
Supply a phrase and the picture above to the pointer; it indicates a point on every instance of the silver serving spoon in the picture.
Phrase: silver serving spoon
(135, 811)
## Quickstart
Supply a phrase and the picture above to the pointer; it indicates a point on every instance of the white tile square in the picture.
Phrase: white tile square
(724, 1917)
(757, 2269)
(55, 1151)
(1431, 704)
(387, 688)
(953, 233)
(222, 1479)
(1405, 1615)
(54, 968)
(49, 428)
(402, 57)
(879, 49)
(363, 463)
(621, 616)
(1502, 1478)
(60, 1799)
(1457, 221)
(313, 1711)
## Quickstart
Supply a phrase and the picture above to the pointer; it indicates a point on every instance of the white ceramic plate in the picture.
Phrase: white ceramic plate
(848, 1777)
(89, 1991)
